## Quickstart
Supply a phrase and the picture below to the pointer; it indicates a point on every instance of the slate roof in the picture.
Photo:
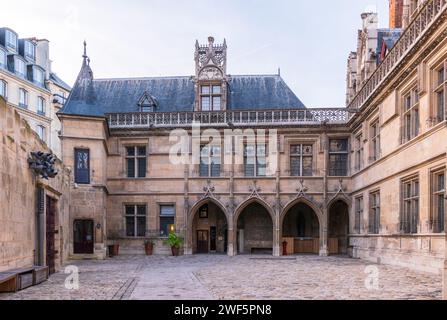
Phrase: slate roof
(59, 81)
(96, 97)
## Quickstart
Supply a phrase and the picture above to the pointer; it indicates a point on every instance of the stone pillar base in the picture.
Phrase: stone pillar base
(230, 250)
(444, 281)
(323, 252)
(276, 251)
(187, 251)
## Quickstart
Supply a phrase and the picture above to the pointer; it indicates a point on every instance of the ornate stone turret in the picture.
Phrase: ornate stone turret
(211, 78)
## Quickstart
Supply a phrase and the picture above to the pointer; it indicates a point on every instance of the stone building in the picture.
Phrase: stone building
(367, 180)
(29, 85)
(33, 211)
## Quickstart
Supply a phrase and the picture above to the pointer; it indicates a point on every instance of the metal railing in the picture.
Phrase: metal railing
(423, 20)
(229, 118)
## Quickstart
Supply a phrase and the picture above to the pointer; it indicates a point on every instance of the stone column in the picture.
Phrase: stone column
(324, 252)
(276, 236)
(444, 275)
(231, 250)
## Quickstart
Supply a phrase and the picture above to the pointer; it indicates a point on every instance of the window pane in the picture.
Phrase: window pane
(142, 151)
(130, 168)
(205, 90)
(82, 170)
(216, 103)
(205, 103)
(295, 166)
(130, 151)
(338, 145)
(141, 167)
(141, 210)
(165, 222)
(130, 210)
(141, 226)
(216, 89)
(307, 166)
(295, 149)
(3, 89)
(130, 226)
(2, 59)
(167, 210)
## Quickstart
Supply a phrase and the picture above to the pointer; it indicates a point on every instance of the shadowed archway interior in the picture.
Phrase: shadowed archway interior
(301, 230)
(338, 228)
(255, 230)
(209, 229)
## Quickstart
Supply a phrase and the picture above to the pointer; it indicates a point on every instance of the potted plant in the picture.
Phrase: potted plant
(175, 241)
(149, 247)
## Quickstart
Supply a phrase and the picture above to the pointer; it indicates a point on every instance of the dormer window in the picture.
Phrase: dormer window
(211, 97)
(38, 76)
(2, 59)
(19, 67)
(11, 40)
(147, 103)
(30, 50)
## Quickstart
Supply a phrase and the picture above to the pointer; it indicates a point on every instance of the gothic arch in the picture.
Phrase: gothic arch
(195, 209)
(340, 197)
(305, 201)
(240, 208)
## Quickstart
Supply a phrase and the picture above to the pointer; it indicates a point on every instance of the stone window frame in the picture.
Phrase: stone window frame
(348, 161)
(135, 215)
(42, 111)
(82, 149)
(410, 115)
(375, 150)
(410, 205)
(437, 225)
(301, 143)
(159, 216)
(135, 157)
(23, 104)
(211, 95)
(374, 212)
(359, 210)
(438, 86)
(41, 132)
(210, 164)
(359, 150)
(256, 164)
(4, 83)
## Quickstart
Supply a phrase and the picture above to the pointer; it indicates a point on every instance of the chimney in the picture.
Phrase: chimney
(43, 55)
(370, 20)
(396, 14)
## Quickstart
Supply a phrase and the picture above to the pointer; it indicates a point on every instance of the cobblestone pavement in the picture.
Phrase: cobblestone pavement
(242, 277)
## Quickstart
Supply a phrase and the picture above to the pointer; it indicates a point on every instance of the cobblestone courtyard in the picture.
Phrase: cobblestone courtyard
(242, 277)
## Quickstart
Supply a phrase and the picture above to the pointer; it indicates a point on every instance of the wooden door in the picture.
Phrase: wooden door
(83, 237)
(50, 234)
(202, 241)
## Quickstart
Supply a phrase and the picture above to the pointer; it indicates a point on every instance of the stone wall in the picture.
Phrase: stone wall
(18, 196)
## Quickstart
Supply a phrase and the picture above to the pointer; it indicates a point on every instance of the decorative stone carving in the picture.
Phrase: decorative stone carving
(43, 164)
(209, 190)
(254, 189)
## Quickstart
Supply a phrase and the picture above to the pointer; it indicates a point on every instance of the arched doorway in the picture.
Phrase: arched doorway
(209, 229)
(338, 228)
(301, 230)
(254, 230)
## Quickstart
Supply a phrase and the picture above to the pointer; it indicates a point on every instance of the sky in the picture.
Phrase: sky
(308, 40)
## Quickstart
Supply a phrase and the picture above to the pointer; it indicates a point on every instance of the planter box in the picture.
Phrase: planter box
(40, 275)
(25, 280)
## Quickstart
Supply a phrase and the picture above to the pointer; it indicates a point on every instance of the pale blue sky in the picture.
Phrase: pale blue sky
(309, 40)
